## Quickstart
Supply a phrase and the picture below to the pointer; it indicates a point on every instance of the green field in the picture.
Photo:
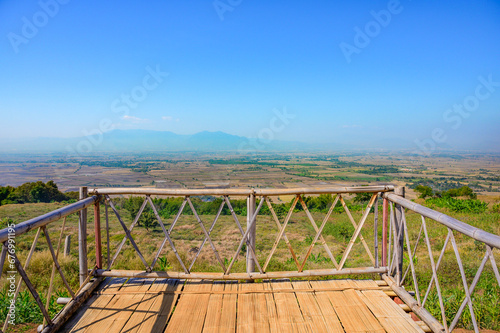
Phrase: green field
(187, 237)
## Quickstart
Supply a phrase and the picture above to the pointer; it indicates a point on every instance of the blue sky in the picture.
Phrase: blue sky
(68, 66)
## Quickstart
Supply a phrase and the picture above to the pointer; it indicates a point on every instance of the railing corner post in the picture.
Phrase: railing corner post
(82, 238)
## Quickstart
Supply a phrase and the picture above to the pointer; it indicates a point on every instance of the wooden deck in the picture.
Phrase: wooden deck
(139, 305)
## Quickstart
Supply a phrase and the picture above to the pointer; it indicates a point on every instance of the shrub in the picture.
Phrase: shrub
(459, 205)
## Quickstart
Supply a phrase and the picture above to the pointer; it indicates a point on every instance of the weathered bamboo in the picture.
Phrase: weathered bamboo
(82, 238)
(250, 263)
(242, 191)
(26, 264)
(2, 259)
(414, 251)
(361, 238)
(471, 290)
(239, 276)
(375, 232)
(24, 227)
(357, 231)
(56, 263)
(238, 224)
(97, 231)
(410, 258)
(399, 242)
(209, 232)
(241, 292)
(52, 275)
(30, 286)
(136, 219)
(420, 311)
(281, 232)
(473, 232)
(167, 238)
(278, 224)
(207, 236)
(67, 245)
(434, 274)
(72, 306)
(127, 232)
(464, 281)
(385, 206)
(245, 237)
(318, 233)
(493, 263)
(107, 235)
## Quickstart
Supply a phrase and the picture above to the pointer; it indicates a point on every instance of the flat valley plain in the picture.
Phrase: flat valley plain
(480, 171)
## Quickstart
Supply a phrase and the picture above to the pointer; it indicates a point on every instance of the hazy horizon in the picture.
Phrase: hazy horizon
(419, 74)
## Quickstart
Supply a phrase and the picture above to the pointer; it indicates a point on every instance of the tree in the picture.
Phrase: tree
(148, 220)
(362, 197)
(425, 191)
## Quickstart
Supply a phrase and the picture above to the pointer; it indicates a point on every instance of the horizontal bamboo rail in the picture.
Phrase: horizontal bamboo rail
(45, 219)
(241, 191)
(464, 228)
(72, 306)
(238, 276)
(419, 310)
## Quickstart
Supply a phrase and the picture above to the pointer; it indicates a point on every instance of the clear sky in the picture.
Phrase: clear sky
(342, 70)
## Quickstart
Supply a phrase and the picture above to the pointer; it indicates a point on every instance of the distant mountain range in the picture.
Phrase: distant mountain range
(147, 141)
(163, 141)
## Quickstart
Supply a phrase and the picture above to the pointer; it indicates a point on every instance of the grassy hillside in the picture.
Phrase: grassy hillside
(187, 237)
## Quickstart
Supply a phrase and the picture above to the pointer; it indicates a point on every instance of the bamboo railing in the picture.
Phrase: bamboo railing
(394, 263)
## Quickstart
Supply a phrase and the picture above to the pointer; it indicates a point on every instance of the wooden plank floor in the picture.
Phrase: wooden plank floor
(138, 305)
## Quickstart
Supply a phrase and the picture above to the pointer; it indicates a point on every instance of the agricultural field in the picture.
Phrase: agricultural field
(443, 171)
(192, 170)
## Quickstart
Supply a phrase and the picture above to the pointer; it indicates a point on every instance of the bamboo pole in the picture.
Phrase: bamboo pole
(136, 219)
(108, 261)
(82, 239)
(361, 238)
(385, 210)
(30, 287)
(375, 232)
(464, 228)
(97, 230)
(251, 235)
(39, 221)
(238, 276)
(54, 258)
(357, 231)
(420, 311)
(67, 245)
(318, 232)
(52, 275)
(278, 224)
(26, 264)
(242, 191)
(281, 232)
(399, 242)
(72, 306)
(2, 259)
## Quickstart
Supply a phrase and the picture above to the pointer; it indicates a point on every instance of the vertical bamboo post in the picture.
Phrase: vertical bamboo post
(399, 243)
(82, 239)
(251, 234)
(97, 229)
(375, 231)
(67, 245)
(385, 215)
